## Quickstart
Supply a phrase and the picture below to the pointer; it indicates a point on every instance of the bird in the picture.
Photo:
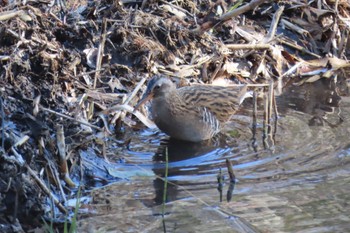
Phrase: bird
(191, 113)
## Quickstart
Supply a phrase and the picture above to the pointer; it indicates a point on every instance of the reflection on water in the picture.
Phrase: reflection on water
(320, 100)
(298, 184)
(185, 159)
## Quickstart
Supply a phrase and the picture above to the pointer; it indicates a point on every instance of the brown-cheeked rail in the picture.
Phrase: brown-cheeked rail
(191, 113)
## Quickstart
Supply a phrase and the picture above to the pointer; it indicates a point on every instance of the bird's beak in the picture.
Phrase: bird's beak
(147, 96)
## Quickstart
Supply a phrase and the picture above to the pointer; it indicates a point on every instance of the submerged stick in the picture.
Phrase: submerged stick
(232, 180)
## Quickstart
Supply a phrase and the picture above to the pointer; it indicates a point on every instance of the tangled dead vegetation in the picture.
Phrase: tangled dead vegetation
(69, 63)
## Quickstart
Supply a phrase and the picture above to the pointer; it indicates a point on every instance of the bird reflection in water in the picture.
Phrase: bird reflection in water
(183, 158)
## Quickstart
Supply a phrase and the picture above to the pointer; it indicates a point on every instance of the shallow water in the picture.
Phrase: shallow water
(297, 179)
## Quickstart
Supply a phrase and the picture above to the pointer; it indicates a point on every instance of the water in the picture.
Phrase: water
(295, 180)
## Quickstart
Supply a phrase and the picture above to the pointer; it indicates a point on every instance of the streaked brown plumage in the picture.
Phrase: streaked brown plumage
(192, 113)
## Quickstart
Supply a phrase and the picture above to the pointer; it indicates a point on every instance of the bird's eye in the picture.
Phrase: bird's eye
(157, 87)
